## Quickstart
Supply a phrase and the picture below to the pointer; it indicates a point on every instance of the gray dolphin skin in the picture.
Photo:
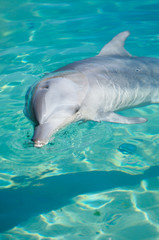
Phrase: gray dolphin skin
(93, 89)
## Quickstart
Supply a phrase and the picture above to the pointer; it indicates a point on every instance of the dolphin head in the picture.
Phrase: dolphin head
(53, 103)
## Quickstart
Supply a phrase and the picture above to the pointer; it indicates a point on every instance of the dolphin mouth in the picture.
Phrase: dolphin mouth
(41, 135)
(39, 144)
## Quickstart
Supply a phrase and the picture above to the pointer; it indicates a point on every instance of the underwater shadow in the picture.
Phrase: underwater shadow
(42, 196)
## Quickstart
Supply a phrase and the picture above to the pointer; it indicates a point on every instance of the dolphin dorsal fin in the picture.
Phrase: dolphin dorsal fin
(116, 46)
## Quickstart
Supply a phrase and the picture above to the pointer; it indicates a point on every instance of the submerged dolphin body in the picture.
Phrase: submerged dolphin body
(93, 89)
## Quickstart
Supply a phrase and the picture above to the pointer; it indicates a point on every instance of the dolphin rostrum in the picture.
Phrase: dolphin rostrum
(93, 89)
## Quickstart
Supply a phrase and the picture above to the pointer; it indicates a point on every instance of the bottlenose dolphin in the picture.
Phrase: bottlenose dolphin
(93, 89)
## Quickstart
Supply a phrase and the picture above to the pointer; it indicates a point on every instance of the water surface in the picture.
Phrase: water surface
(93, 180)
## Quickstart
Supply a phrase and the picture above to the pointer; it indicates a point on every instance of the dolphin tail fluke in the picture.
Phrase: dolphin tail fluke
(116, 118)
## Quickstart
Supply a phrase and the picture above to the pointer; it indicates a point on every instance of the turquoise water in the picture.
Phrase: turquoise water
(94, 180)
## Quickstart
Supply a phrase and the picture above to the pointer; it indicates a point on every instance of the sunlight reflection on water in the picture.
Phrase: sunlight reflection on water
(38, 37)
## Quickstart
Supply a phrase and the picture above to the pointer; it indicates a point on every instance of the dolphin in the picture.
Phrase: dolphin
(93, 89)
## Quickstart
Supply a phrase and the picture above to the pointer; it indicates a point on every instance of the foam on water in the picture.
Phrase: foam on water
(38, 37)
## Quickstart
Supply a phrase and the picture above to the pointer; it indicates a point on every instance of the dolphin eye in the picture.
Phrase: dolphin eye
(77, 109)
(45, 86)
